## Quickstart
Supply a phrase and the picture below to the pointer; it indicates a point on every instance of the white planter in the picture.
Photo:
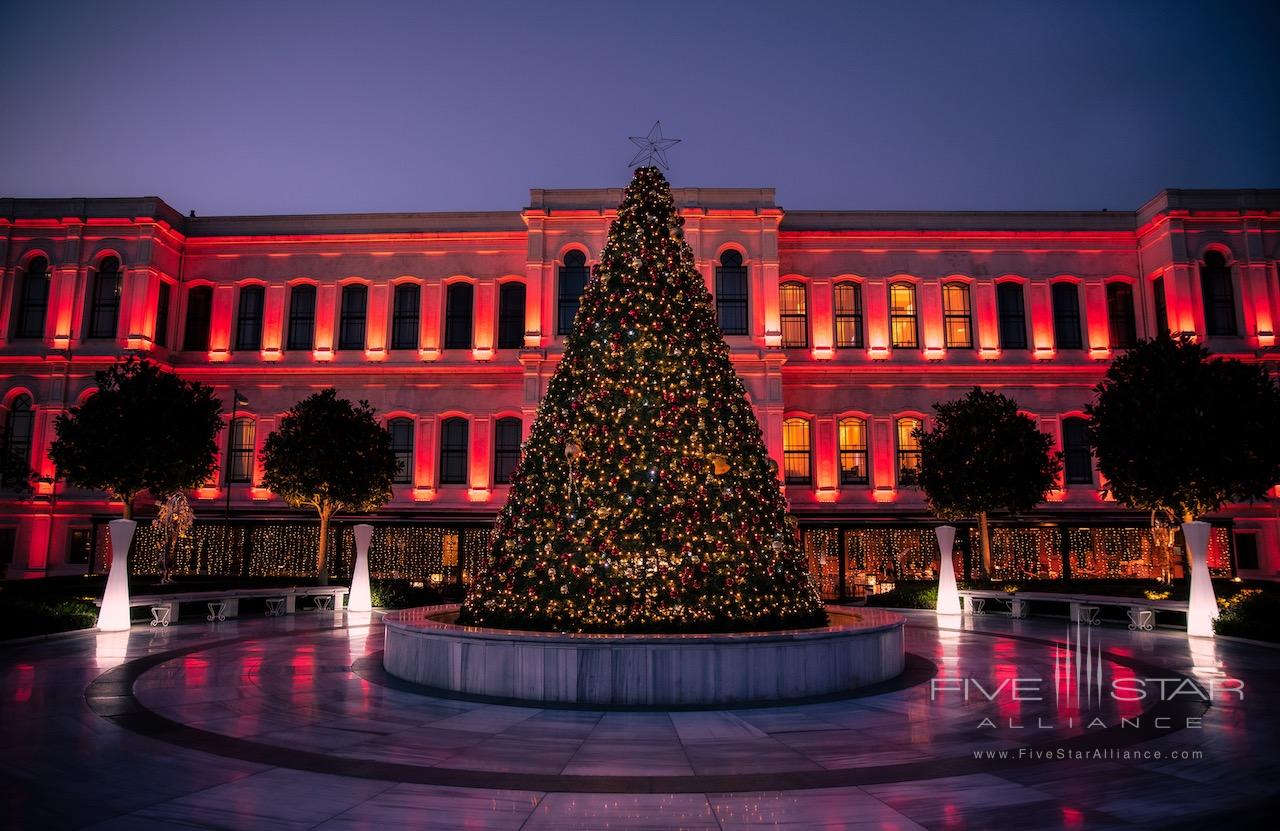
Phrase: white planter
(360, 600)
(1203, 606)
(114, 615)
(948, 594)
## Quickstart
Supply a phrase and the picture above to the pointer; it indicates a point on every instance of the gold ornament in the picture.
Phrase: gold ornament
(702, 401)
(719, 463)
(572, 450)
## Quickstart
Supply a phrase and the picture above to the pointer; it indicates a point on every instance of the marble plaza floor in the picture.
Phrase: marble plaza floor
(290, 723)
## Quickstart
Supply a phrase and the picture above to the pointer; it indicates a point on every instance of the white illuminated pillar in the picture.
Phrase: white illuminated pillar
(360, 600)
(114, 615)
(948, 594)
(1203, 608)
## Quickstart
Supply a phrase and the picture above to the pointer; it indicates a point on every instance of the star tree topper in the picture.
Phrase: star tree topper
(653, 148)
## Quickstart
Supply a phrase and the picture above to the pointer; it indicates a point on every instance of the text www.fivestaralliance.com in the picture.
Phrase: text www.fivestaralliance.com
(1100, 754)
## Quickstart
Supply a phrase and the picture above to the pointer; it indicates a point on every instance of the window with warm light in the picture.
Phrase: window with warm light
(104, 302)
(33, 301)
(19, 426)
(1219, 296)
(848, 313)
(1012, 311)
(797, 452)
(459, 304)
(401, 430)
(793, 309)
(506, 449)
(909, 455)
(903, 329)
(240, 458)
(163, 300)
(351, 320)
(1077, 463)
(249, 318)
(1067, 332)
(572, 282)
(1120, 316)
(1161, 304)
(511, 303)
(731, 294)
(302, 318)
(453, 451)
(853, 451)
(957, 316)
(195, 336)
(405, 310)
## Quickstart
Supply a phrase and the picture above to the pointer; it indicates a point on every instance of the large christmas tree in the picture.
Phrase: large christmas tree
(645, 499)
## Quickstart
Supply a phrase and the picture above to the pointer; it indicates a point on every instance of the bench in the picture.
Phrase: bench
(224, 604)
(1085, 608)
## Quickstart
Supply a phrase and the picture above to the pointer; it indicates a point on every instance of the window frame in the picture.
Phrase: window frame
(105, 307)
(729, 300)
(798, 320)
(456, 320)
(1160, 304)
(249, 319)
(1218, 296)
(164, 299)
(803, 457)
(1077, 459)
(406, 316)
(299, 318)
(351, 320)
(1124, 336)
(454, 451)
(846, 320)
(31, 315)
(505, 456)
(564, 324)
(853, 453)
(199, 342)
(402, 448)
(21, 406)
(906, 448)
(1063, 318)
(1011, 321)
(949, 315)
(240, 456)
(511, 314)
(912, 316)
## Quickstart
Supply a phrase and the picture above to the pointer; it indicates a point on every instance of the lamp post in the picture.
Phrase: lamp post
(237, 400)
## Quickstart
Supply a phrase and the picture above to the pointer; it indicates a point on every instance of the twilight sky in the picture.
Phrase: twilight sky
(309, 107)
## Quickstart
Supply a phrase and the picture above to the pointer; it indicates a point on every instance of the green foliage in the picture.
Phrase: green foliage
(401, 594)
(24, 618)
(144, 429)
(1250, 613)
(1180, 434)
(645, 498)
(907, 596)
(16, 476)
(982, 456)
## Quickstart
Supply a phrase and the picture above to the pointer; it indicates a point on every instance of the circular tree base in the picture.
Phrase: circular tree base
(858, 649)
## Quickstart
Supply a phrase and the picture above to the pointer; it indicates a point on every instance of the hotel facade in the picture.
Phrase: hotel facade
(845, 326)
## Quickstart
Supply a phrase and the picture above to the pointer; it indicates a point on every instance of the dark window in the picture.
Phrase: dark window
(8, 544)
(797, 454)
(1066, 316)
(453, 451)
(506, 449)
(909, 454)
(1247, 551)
(1124, 327)
(249, 318)
(957, 316)
(795, 315)
(240, 459)
(902, 316)
(104, 305)
(18, 429)
(161, 337)
(33, 303)
(401, 430)
(848, 302)
(853, 451)
(302, 317)
(511, 315)
(1161, 305)
(573, 281)
(458, 303)
(1013, 316)
(79, 546)
(1219, 295)
(405, 313)
(731, 294)
(195, 336)
(355, 300)
(1077, 464)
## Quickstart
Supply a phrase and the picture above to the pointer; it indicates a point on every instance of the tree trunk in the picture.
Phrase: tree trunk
(1186, 549)
(984, 539)
(322, 560)
(128, 506)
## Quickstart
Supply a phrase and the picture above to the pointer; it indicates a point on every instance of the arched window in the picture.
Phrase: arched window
(506, 449)
(1219, 296)
(302, 318)
(793, 306)
(957, 316)
(511, 299)
(401, 430)
(902, 316)
(572, 282)
(195, 336)
(33, 302)
(1161, 305)
(1124, 327)
(249, 318)
(797, 454)
(1077, 464)
(240, 457)
(848, 309)
(459, 301)
(1012, 311)
(163, 301)
(731, 294)
(453, 451)
(104, 303)
(908, 450)
(355, 303)
(18, 429)
(1066, 316)
(405, 312)
(853, 451)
